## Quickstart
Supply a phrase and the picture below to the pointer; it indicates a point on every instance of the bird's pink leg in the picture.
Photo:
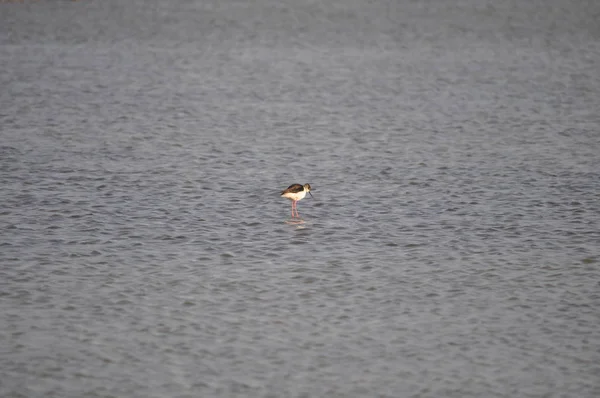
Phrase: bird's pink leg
(293, 205)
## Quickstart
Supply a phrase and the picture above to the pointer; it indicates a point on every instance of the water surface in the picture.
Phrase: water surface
(451, 249)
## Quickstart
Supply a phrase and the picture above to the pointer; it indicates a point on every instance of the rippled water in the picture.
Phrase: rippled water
(451, 249)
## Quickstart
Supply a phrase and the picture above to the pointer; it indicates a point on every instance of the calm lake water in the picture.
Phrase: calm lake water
(452, 248)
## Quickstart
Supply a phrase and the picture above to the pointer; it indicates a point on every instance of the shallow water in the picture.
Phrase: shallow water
(451, 249)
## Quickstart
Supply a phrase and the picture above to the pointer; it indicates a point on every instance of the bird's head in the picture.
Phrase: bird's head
(307, 189)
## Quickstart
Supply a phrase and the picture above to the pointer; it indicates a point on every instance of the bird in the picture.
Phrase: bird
(296, 192)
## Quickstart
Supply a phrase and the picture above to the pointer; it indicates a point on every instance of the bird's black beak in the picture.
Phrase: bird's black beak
(311, 195)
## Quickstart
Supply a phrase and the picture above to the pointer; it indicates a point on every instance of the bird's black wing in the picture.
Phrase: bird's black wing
(294, 188)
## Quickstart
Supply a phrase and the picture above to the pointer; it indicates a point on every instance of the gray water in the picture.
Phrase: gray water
(452, 248)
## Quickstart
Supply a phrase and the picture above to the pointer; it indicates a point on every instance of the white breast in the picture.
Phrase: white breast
(295, 196)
